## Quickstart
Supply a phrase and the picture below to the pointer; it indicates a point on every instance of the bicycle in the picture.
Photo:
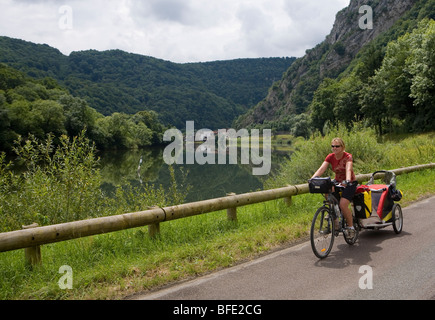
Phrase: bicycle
(328, 223)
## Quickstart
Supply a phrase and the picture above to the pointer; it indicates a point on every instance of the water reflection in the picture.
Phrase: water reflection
(206, 181)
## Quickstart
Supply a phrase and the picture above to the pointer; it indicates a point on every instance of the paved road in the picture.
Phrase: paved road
(398, 267)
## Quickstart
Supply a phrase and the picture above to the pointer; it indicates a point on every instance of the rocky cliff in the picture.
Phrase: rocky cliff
(293, 93)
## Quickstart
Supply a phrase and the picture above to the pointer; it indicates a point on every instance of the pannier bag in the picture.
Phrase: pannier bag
(320, 185)
(362, 204)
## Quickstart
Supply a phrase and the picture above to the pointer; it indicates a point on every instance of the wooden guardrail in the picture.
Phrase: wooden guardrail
(33, 236)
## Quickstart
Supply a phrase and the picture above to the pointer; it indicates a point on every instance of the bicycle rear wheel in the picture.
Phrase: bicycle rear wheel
(322, 232)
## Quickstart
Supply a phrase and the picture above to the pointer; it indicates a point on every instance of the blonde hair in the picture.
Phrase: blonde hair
(339, 141)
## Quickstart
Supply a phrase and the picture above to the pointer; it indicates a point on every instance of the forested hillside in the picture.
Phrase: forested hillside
(399, 96)
(212, 94)
(383, 77)
(41, 107)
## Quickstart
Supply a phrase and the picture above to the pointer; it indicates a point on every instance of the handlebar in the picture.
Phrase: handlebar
(339, 185)
(336, 184)
(325, 185)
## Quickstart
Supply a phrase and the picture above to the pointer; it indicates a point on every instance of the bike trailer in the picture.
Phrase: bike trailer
(377, 198)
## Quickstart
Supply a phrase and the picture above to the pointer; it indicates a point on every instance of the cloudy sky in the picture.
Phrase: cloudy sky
(174, 30)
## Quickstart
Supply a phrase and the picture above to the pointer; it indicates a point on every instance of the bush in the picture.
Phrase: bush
(413, 150)
(61, 183)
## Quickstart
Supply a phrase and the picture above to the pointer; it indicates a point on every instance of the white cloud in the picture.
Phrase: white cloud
(175, 30)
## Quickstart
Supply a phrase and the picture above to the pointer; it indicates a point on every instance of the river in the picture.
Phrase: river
(206, 181)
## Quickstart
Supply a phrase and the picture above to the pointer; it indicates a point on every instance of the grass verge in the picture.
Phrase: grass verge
(115, 265)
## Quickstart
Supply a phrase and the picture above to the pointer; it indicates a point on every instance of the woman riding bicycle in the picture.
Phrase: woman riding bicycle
(342, 164)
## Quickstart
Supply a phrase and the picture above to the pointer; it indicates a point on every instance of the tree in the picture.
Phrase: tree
(20, 117)
(48, 117)
(151, 120)
(142, 135)
(78, 115)
(372, 105)
(322, 108)
(347, 107)
(402, 91)
(421, 66)
(301, 126)
(10, 78)
(119, 128)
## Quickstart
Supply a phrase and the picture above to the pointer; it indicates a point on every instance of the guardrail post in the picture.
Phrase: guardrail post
(32, 255)
(288, 200)
(153, 229)
(232, 212)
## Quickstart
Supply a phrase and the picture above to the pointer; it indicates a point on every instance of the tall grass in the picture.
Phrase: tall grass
(413, 150)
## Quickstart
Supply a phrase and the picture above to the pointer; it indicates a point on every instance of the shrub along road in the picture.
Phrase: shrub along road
(381, 265)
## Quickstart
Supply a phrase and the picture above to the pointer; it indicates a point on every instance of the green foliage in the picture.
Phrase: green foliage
(212, 93)
(388, 84)
(405, 83)
(421, 66)
(58, 184)
(61, 183)
(40, 107)
(412, 150)
(323, 103)
(398, 96)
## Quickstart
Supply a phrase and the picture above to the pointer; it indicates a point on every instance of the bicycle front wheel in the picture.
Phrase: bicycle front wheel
(322, 232)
